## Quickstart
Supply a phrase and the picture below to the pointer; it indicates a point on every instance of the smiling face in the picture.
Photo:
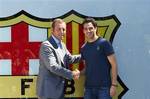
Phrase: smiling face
(59, 29)
(90, 31)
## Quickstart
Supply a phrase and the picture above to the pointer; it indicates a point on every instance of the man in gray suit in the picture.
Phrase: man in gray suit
(54, 60)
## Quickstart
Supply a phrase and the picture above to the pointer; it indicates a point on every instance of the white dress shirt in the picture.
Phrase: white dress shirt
(60, 49)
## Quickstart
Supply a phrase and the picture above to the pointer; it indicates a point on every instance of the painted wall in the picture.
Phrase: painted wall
(131, 42)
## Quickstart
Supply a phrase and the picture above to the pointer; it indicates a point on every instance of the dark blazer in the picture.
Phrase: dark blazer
(52, 69)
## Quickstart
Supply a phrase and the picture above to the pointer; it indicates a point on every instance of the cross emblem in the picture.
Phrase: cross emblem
(19, 50)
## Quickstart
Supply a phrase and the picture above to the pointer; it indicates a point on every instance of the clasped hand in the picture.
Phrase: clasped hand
(76, 74)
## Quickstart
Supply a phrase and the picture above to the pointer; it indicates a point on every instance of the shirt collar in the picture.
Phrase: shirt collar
(58, 42)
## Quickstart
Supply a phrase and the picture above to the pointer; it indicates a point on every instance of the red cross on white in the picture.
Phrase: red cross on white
(19, 50)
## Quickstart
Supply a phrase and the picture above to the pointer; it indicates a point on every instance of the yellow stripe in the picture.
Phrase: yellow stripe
(27, 20)
(75, 41)
(49, 32)
(111, 23)
(101, 31)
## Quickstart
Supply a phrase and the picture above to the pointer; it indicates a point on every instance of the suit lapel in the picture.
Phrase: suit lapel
(53, 43)
(55, 47)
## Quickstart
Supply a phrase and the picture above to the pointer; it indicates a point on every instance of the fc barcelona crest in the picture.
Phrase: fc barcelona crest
(20, 39)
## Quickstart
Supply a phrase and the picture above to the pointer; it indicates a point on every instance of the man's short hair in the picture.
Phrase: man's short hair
(58, 20)
(90, 20)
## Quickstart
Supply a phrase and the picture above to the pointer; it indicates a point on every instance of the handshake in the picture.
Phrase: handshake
(76, 74)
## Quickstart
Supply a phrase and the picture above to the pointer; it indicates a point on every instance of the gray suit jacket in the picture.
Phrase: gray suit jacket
(52, 69)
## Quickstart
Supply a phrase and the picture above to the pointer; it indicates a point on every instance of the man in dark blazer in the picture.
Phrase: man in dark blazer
(54, 60)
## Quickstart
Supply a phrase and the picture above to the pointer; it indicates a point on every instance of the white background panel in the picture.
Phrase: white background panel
(5, 67)
(5, 34)
(37, 34)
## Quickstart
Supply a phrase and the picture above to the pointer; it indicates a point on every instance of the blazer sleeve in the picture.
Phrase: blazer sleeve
(47, 55)
(72, 58)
